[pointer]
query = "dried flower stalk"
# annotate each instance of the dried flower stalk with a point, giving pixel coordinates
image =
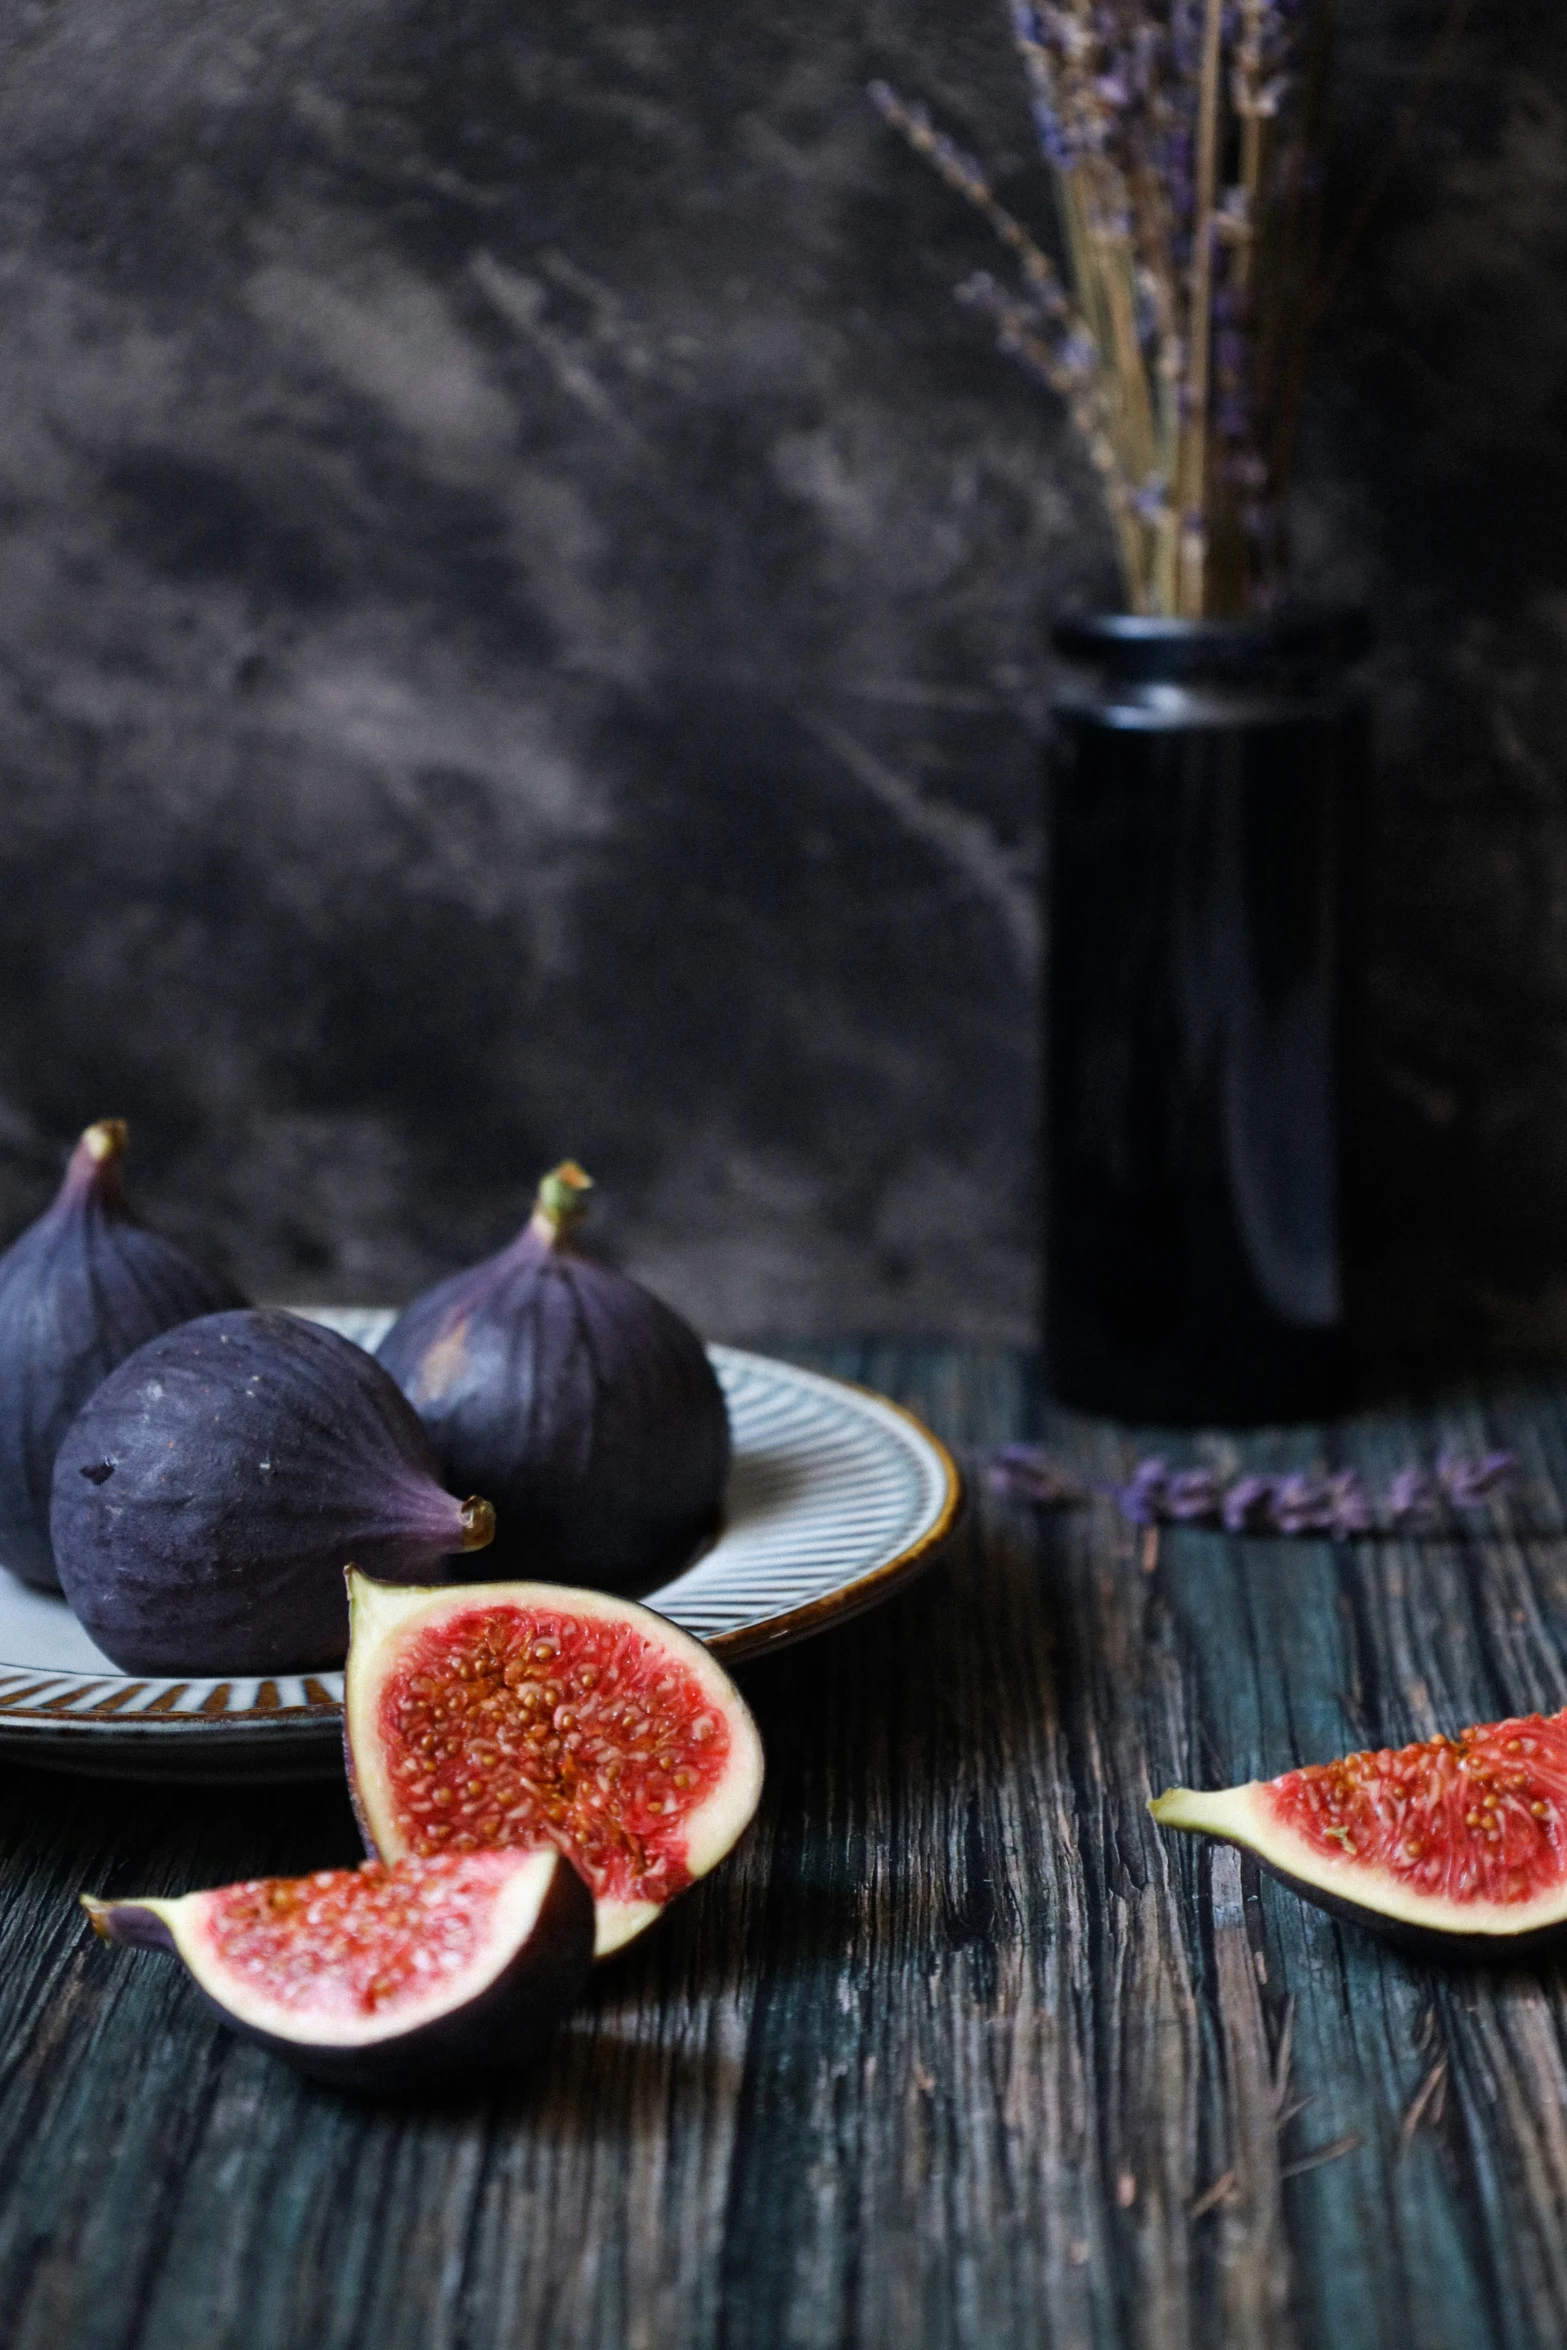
(1295, 1502)
(1183, 139)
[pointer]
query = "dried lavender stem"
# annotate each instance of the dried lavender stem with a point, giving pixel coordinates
(1115, 260)
(1129, 541)
(969, 183)
(1084, 275)
(1194, 472)
(1089, 278)
(1251, 182)
(1151, 208)
(1167, 540)
(1085, 400)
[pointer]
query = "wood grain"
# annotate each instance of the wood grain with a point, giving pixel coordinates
(960, 2050)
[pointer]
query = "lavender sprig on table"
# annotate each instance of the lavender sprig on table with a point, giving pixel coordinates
(1295, 1502)
(1183, 142)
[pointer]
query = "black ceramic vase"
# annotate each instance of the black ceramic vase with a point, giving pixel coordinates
(1204, 783)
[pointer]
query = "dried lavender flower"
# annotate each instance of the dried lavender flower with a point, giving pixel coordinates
(1143, 1499)
(1301, 1505)
(1351, 1511)
(1247, 1507)
(1025, 1472)
(1468, 1483)
(1412, 1497)
(1191, 1498)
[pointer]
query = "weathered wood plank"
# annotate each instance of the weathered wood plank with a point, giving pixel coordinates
(959, 2051)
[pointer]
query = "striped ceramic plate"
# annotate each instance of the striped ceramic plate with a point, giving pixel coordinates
(835, 1495)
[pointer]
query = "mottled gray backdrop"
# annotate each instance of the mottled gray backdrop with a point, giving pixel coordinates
(519, 632)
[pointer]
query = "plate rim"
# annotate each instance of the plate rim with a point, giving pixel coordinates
(877, 1583)
(319, 1721)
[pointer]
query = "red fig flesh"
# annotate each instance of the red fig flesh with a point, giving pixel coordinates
(427, 1974)
(1456, 1841)
(214, 1488)
(81, 1289)
(581, 1404)
(513, 1714)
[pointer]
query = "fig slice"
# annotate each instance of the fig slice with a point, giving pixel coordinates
(426, 1974)
(1453, 1843)
(500, 1715)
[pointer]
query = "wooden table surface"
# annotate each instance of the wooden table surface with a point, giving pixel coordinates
(959, 2048)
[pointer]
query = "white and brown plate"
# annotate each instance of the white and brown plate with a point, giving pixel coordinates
(835, 1496)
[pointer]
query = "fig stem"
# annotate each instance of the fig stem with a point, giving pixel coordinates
(478, 1523)
(106, 1139)
(562, 1201)
(95, 1164)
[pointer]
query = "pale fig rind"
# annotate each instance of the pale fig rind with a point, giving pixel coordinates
(493, 2018)
(215, 1486)
(386, 1620)
(1429, 1925)
(580, 1403)
(83, 1287)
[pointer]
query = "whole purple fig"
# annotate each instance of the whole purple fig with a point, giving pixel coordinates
(81, 1289)
(209, 1496)
(581, 1404)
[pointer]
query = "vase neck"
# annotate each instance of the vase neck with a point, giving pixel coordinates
(1296, 651)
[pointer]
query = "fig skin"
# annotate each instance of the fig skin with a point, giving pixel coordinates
(80, 1290)
(391, 1632)
(581, 1404)
(211, 1492)
(500, 2026)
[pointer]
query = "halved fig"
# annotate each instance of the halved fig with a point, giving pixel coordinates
(426, 1974)
(1458, 1843)
(509, 1715)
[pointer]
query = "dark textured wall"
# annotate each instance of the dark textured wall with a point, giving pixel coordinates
(519, 602)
